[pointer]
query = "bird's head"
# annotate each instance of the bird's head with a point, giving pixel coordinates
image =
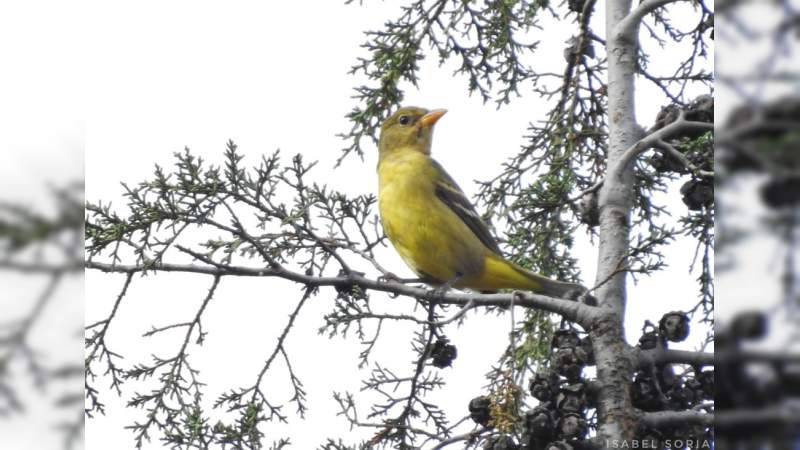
(409, 128)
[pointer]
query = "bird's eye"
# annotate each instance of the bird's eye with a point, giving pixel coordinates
(404, 120)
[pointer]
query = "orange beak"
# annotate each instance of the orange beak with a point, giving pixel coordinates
(429, 119)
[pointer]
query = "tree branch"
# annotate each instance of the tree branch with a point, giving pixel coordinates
(666, 356)
(570, 310)
(40, 268)
(770, 416)
(666, 419)
(628, 26)
(470, 436)
(675, 153)
(757, 356)
(656, 139)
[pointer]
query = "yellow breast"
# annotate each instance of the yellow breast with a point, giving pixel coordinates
(429, 237)
(399, 201)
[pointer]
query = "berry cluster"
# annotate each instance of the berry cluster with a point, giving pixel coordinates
(442, 353)
(661, 388)
(698, 192)
(559, 421)
(752, 380)
(769, 144)
(781, 192)
(564, 414)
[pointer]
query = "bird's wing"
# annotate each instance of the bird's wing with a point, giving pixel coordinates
(451, 195)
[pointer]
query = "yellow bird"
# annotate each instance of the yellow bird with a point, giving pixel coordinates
(433, 225)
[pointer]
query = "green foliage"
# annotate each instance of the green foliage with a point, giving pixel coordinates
(41, 245)
(532, 344)
(269, 221)
(487, 39)
(22, 227)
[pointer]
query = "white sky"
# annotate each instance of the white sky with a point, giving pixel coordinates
(161, 76)
(753, 283)
(41, 146)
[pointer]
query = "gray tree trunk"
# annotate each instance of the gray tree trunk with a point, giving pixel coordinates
(614, 363)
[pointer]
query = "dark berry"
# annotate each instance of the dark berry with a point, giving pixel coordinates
(697, 194)
(540, 422)
(749, 325)
(667, 378)
(666, 116)
(682, 397)
(568, 363)
(783, 109)
(644, 394)
(790, 380)
(543, 385)
(696, 386)
(706, 380)
(738, 161)
(666, 163)
(781, 192)
(572, 398)
(565, 338)
(572, 426)
(701, 109)
(479, 410)
(443, 353)
(674, 326)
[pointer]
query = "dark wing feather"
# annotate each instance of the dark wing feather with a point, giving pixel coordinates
(451, 195)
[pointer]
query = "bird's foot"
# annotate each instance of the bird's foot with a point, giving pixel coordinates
(439, 292)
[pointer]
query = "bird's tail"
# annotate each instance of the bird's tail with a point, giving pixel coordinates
(500, 273)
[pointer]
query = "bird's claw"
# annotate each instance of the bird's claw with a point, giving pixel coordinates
(439, 292)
